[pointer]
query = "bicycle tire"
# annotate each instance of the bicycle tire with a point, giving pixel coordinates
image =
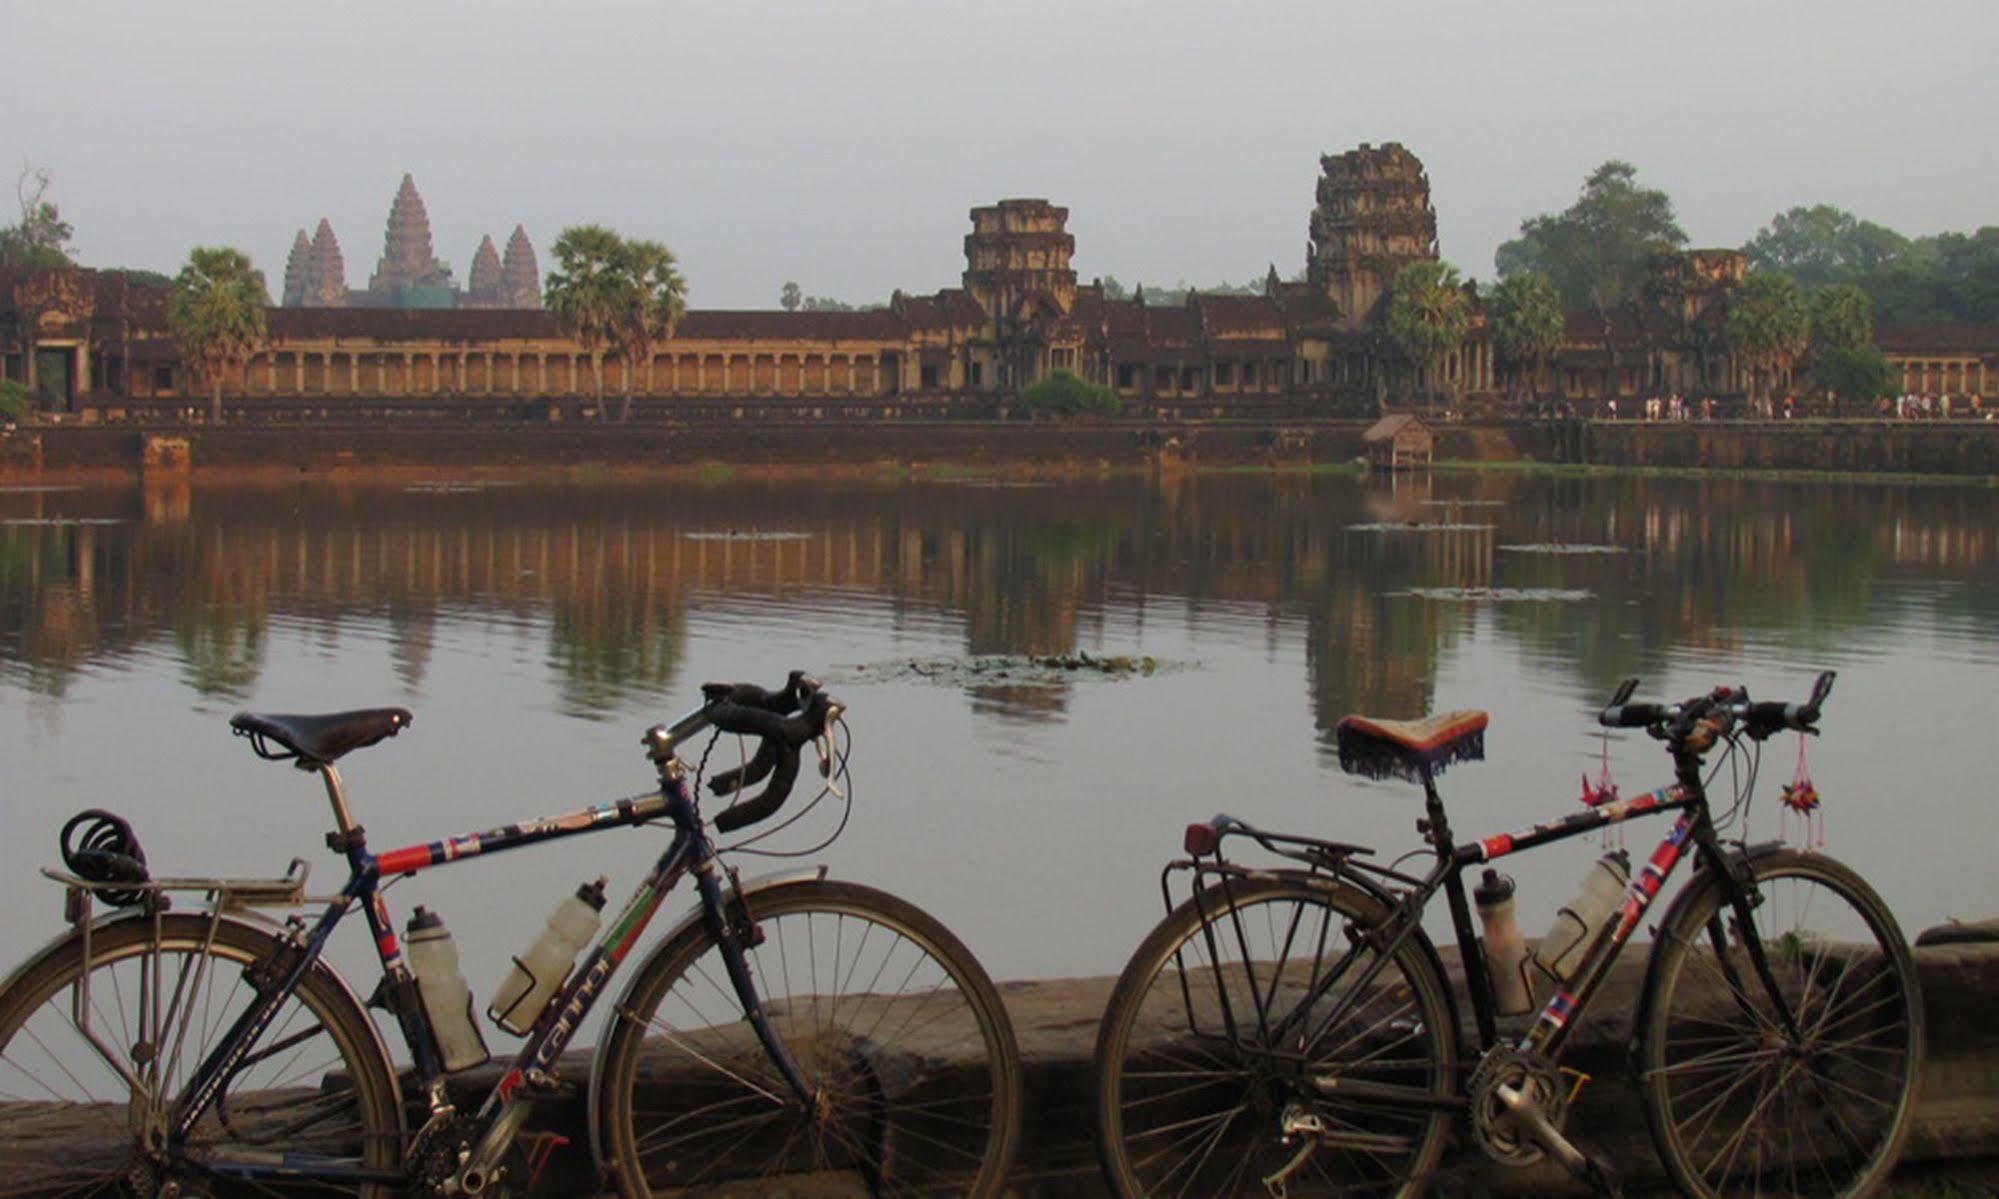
(318, 1081)
(1171, 1084)
(1831, 1106)
(889, 1017)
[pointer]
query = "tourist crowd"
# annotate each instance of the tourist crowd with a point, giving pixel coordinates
(1789, 407)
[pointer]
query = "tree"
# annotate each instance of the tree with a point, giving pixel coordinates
(654, 301)
(15, 400)
(1821, 245)
(1856, 375)
(1768, 327)
(1066, 392)
(1526, 315)
(1597, 251)
(1842, 318)
(216, 312)
(588, 291)
(1428, 314)
(789, 296)
(40, 242)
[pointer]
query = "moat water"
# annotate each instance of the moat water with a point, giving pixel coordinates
(537, 630)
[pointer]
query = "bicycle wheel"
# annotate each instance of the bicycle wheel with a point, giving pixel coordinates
(1742, 1101)
(72, 1122)
(1187, 1107)
(891, 1020)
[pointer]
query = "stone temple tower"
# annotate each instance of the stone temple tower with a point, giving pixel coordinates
(1373, 217)
(520, 276)
(408, 262)
(482, 286)
(326, 283)
(1017, 260)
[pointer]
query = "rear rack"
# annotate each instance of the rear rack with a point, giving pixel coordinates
(223, 894)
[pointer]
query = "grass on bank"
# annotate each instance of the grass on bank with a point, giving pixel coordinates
(1582, 470)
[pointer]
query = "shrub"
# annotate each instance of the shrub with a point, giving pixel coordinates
(14, 400)
(1065, 391)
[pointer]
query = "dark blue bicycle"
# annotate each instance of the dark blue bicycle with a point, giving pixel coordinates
(186, 1044)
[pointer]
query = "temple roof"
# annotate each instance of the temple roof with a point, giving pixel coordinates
(1944, 339)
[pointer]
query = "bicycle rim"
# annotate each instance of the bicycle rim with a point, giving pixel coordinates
(1739, 1102)
(315, 1086)
(891, 1021)
(1185, 1107)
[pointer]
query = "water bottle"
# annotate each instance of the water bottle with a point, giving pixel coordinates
(1505, 951)
(1576, 925)
(447, 1001)
(541, 970)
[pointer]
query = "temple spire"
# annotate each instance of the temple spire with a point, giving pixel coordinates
(482, 287)
(407, 258)
(326, 283)
(520, 276)
(296, 267)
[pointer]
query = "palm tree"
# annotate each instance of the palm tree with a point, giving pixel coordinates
(216, 312)
(1428, 314)
(1768, 327)
(588, 290)
(1526, 314)
(655, 300)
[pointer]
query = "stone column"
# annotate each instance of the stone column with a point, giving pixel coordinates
(270, 372)
(298, 372)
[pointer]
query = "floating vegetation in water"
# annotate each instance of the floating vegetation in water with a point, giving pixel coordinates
(994, 484)
(1438, 526)
(1499, 595)
(1042, 669)
(55, 521)
(454, 486)
(1563, 547)
(39, 488)
(748, 535)
(1466, 503)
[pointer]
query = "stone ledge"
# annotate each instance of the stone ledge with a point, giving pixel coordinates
(1056, 1024)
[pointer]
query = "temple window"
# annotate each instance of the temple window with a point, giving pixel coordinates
(1127, 376)
(978, 373)
(929, 378)
(1162, 379)
(1064, 359)
(1224, 374)
(1249, 374)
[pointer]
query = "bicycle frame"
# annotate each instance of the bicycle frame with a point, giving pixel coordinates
(531, 1071)
(1551, 1027)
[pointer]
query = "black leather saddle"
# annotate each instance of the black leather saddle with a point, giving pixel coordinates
(315, 741)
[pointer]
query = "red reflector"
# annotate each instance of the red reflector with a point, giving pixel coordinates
(1201, 839)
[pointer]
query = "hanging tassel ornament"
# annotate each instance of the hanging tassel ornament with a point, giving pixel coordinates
(1602, 790)
(1801, 798)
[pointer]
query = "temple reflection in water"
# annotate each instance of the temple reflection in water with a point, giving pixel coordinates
(1379, 581)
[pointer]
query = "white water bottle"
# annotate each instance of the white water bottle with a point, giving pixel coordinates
(447, 1000)
(1576, 925)
(541, 970)
(1505, 952)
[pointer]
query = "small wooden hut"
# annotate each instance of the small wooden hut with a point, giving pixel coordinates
(1399, 442)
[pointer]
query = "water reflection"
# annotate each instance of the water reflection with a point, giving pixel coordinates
(1379, 575)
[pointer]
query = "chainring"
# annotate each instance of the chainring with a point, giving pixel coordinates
(1494, 1124)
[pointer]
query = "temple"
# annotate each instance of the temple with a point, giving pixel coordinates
(409, 274)
(1309, 348)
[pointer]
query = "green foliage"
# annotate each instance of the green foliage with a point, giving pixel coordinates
(1428, 312)
(216, 312)
(40, 240)
(1064, 391)
(1526, 315)
(1598, 250)
(588, 291)
(789, 297)
(15, 400)
(1768, 324)
(1821, 245)
(1842, 318)
(829, 304)
(1856, 375)
(655, 300)
(139, 277)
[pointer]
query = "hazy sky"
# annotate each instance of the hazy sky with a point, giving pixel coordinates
(840, 144)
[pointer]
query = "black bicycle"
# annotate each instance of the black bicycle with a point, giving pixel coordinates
(788, 1026)
(1292, 1030)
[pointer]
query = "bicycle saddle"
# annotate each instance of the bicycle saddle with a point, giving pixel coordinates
(1409, 748)
(316, 741)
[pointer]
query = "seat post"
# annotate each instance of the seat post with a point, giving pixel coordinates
(1436, 827)
(345, 828)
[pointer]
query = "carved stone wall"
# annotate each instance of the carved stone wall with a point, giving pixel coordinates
(1373, 217)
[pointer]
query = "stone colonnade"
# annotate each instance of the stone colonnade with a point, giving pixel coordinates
(290, 370)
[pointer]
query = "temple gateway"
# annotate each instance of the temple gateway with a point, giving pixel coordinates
(411, 342)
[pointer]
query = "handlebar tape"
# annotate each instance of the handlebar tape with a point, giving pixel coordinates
(777, 754)
(1631, 716)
